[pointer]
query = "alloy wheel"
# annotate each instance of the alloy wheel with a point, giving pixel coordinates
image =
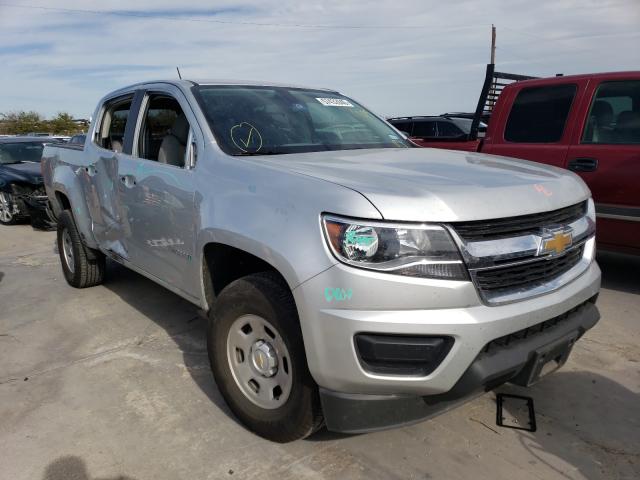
(6, 207)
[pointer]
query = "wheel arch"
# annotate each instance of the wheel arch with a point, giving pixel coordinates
(223, 264)
(72, 200)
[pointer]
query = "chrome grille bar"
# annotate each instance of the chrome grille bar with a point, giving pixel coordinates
(507, 269)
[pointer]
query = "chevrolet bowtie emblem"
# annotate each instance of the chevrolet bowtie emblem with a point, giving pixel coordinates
(555, 241)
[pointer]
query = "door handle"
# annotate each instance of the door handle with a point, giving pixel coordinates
(128, 180)
(583, 165)
(91, 170)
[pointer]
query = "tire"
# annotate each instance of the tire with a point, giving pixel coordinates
(7, 215)
(82, 266)
(296, 412)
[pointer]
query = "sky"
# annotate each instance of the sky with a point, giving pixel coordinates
(400, 57)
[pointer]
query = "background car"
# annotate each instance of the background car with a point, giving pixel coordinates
(77, 139)
(440, 131)
(22, 193)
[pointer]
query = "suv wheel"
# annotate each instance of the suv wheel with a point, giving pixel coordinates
(82, 266)
(258, 360)
(7, 210)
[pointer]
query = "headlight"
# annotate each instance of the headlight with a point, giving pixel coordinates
(416, 250)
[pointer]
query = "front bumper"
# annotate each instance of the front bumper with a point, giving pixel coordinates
(389, 304)
(342, 301)
(514, 362)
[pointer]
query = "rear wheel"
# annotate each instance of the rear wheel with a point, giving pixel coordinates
(258, 360)
(82, 266)
(7, 209)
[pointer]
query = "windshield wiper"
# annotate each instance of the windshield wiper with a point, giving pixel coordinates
(262, 152)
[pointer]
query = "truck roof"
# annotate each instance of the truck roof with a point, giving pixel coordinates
(188, 83)
(581, 76)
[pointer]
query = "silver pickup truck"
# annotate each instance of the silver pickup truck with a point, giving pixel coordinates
(350, 279)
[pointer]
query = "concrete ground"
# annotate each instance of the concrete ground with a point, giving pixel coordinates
(113, 382)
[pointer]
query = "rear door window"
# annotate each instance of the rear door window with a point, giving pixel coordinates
(113, 123)
(539, 114)
(614, 115)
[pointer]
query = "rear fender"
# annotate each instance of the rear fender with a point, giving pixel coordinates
(67, 182)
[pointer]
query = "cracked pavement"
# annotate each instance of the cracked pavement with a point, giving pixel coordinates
(113, 382)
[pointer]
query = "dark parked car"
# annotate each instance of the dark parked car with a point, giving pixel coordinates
(22, 193)
(436, 131)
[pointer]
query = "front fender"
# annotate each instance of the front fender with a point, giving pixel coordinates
(273, 214)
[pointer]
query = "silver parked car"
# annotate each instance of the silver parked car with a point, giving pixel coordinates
(350, 279)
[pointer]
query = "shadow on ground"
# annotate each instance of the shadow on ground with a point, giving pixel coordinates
(620, 272)
(178, 317)
(71, 467)
(592, 408)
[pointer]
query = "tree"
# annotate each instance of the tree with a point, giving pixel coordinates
(21, 122)
(63, 123)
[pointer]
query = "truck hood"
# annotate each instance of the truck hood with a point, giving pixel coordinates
(424, 184)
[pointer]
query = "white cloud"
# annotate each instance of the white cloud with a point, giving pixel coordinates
(54, 60)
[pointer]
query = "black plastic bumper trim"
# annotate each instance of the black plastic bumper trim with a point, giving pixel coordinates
(401, 354)
(359, 413)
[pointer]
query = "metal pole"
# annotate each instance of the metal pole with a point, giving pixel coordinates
(493, 44)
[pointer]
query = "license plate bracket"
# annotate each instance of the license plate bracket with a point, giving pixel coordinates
(549, 358)
(514, 420)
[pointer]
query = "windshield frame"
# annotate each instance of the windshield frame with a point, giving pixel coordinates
(398, 142)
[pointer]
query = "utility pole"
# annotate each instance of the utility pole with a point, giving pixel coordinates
(493, 44)
(493, 91)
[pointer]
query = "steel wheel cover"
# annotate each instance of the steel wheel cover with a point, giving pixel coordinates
(259, 361)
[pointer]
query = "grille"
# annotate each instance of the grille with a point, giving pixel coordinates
(527, 275)
(513, 338)
(515, 226)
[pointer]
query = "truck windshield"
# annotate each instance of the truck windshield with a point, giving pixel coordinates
(20, 152)
(248, 120)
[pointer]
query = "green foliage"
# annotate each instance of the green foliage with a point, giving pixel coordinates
(20, 123)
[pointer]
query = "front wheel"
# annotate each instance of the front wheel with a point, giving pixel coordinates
(258, 360)
(7, 209)
(82, 266)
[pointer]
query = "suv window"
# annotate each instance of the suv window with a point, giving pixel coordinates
(424, 129)
(403, 126)
(539, 114)
(113, 124)
(448, 130)
(614, 116)
(164, 131)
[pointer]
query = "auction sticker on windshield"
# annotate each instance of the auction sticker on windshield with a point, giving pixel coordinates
(334, 102)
